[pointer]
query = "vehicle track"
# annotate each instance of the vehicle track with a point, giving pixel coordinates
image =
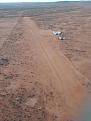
(67, 81)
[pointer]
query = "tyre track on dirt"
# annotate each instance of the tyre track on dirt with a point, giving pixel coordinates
(44, 55)
(48, 76)
(15, 98)
(68, 82)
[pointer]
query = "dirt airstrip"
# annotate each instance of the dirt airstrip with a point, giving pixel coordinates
(37, 82)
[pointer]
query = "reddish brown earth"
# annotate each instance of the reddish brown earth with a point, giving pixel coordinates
(76, 25)
(38, 83)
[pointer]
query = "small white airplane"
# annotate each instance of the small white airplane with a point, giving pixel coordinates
(57, 33)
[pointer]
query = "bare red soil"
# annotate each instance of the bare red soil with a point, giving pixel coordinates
(37, 81)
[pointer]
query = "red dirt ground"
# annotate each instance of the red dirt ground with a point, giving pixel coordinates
(39, 83)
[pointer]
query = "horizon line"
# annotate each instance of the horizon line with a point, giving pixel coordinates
(49, 1)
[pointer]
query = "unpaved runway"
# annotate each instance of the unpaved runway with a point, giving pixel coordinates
(64, 78)
(45, 84)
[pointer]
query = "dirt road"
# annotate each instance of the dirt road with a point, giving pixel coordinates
(40, 83)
